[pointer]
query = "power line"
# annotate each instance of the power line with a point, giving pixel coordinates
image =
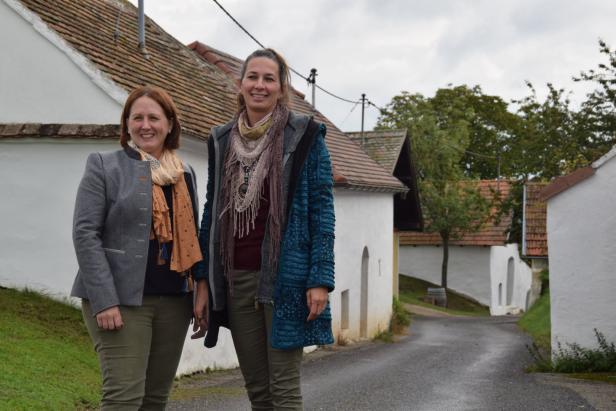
(333, 95)
(347, 116)
(238, 24)
(290, 68)
(375, 106)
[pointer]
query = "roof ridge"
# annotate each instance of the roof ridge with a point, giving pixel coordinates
(25, 130)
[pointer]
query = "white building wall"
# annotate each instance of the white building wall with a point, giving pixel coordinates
(581, 226)
(468, 268)
(42, 80)
(472, 271)
(363, 220)
(522, 279)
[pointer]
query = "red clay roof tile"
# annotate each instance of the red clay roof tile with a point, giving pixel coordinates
(535, 215)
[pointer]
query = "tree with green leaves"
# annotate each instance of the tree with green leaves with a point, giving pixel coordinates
(599, 110)
(490, 129)
(439, 128)
(551, 138)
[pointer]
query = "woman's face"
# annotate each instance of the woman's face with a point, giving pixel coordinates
(260, 87)
(148, 126)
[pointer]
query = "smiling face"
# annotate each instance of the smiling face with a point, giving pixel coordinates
(148, 126)
(260, 87)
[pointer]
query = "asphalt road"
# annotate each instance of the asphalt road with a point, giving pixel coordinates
(444, 364)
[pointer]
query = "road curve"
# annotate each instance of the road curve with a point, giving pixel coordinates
(444, 364)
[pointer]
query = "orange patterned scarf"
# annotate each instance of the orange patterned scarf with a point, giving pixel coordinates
(186, 251)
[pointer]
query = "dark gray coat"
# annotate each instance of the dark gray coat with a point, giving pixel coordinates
(111, 228)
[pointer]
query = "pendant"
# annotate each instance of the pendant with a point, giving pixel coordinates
(243, 189)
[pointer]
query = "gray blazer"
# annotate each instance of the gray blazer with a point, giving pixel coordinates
(111, 228)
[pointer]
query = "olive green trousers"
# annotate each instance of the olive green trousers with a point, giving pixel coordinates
(138, 362)
(272, 377)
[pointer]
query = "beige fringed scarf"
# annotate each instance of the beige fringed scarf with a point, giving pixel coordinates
(254, 155)
(169, 170)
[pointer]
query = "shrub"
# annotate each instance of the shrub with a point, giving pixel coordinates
(574, 358)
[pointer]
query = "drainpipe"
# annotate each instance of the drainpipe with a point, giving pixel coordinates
(141, 26)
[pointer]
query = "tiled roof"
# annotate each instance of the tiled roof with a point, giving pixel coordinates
(563, 183)
(203, 95)
(535, 242)
(494, 232)
(27, 130)
(353, 168)
(383, 146)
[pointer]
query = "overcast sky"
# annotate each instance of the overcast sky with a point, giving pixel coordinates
(382, 47)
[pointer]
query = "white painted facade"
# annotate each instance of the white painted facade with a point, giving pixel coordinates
(510, 280)
(478, 272)
(581, 226)
(364, 221)
(43, 80)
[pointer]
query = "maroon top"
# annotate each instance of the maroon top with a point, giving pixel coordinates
(247, 253)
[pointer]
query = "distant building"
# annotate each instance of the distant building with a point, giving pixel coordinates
(482, 265)
(392, 150)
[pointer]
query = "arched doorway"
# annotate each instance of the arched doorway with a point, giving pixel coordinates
(363, 317)
(510, 284)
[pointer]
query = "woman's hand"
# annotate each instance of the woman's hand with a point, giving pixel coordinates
(110, 319)
(200, 310)
(317, 301)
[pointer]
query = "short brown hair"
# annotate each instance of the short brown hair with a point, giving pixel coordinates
(172, 142)
(283, 75)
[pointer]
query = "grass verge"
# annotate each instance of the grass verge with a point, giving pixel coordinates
(536, 322)
(46, 356)
(413, 290)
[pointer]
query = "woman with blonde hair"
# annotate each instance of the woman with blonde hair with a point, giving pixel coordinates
(267, 235)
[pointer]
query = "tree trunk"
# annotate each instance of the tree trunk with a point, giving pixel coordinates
(445, 239)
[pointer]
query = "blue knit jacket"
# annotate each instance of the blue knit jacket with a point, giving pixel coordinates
(307, 251)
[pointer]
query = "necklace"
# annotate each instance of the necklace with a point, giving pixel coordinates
(247, 169)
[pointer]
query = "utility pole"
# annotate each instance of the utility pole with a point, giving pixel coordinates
(363, 105)
(312, 79)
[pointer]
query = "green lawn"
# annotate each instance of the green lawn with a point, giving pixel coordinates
(46, 356)
(413, 290)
